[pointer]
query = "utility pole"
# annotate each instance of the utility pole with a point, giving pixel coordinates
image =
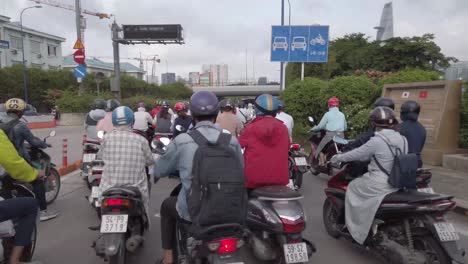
(246, 70)
(115, 88)
(78, 35)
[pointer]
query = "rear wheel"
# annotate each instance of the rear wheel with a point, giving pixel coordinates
(313, 162)
(297, 179)
(121, 256)
(432, 250)
(28, 251)
(330, 219)
(52, 186)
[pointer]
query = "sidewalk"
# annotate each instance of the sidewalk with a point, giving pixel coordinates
(451, 182)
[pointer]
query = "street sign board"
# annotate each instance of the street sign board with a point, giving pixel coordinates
(79, 56)
(152, 32)
(4, 44)
(78, 44)
(299, 43)
(80, 71)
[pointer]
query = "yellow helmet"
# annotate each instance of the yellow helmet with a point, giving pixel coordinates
(15, 104)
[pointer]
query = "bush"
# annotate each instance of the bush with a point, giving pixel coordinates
(357, 116)
(352, 90)
(410, 75)
(463, 139)
(70, 102)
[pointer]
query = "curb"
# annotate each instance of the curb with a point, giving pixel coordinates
(461, 207)
(67, 169)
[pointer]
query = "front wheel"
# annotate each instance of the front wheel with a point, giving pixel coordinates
(330, 219)
(431, 249)
(52, 186)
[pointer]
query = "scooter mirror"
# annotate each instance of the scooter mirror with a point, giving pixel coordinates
(100, 134)
(153, 144)
(180, 128)
(52, 133)
(311, 119)
(165, 141)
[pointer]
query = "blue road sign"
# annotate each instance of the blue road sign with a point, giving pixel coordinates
(4, 44)
(299, 43)
(80, 71)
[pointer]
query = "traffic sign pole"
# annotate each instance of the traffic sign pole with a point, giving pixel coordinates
(282, 64)
(302, 71)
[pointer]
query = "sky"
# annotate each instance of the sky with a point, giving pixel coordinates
(238, 33)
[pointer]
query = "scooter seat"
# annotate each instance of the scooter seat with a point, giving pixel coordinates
(276, 192)
(123, 191)
(413, 196)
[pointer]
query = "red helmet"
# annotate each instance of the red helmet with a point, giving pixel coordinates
(179, 106)
(333, 102)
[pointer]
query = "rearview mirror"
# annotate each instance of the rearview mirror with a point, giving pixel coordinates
(100, 134)
(52, 133)
(165, 141)
(180, 128)
(311, 119)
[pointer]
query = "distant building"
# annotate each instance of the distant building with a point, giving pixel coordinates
(205, 79)
(168, 78)
(153, 79)
(94, 65)
(262, 81)
(194, 78)
(218, 73)
(181, 79)
(457, 71)
(385, 29)
(41, 50)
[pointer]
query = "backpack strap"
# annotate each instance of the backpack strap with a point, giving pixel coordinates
(224, 139)
(198, 138)
(9, 126)
(375, 159)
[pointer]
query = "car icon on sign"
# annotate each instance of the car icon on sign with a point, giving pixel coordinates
(280, 43)
(299, 43)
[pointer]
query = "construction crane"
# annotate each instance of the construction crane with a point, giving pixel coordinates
(72, 8)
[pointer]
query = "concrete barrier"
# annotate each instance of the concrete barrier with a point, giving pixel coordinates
(41, 121)
(71, 119)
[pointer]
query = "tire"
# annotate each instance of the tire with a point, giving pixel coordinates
(298, 179)
(53, 184)
(312, 161)
(431, 249)
(28, 251)
(121, 256)
(330, 219)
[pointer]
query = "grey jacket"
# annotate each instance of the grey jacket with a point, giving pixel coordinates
(179, 157)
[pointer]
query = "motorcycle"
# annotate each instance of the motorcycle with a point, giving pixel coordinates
(90, 149)
(123, 224)
(409, 226)
(276, 221)
(215, 244)
(297, 165)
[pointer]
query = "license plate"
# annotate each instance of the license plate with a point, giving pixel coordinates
(89, 157)
(446, 232)
(295, 253)
(114, 223)
(426, 190)
(95, 192)
(300, 161)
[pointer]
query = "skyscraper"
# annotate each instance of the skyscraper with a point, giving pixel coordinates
(385, 29)
(218, 73)
(168, 78)
(194, 78)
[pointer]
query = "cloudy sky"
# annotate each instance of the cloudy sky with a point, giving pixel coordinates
(220, 31)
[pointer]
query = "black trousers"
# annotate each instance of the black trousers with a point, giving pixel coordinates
(39, 192)
(23, 210)
(169, 217)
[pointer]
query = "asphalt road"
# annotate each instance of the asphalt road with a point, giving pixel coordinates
(67, 238)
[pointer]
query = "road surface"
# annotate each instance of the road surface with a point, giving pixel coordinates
(67, 238)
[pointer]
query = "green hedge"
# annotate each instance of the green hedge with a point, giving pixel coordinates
(463, 139)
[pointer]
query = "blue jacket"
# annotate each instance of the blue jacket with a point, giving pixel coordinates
(22, 133)
(333, 121)
(179, 157)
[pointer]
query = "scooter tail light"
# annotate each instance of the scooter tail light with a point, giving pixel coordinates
(295, 146)
(225, 245)
(293, 226)
(115, 202)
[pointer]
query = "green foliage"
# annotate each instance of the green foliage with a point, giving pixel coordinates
(463, 140)
(70, 102)
(352, 90)
(410, 75)
(357, 116)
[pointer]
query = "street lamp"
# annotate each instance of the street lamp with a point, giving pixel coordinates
(147, 69)
(25, 82)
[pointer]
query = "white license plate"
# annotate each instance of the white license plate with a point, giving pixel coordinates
(446, 232)
(95, 192)
(89, 157)
(426, 190)
(114, 223)
(300, 161)
(295, 253)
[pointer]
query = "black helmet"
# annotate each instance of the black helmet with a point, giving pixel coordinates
(99, 104)
(112, 104)
(226, 103)
(384, 101)
(410, 107)
(204, 103)
(383, 116)
(165, 104)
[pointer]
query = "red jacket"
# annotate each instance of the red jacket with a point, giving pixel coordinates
(155, 111)
(266, 142)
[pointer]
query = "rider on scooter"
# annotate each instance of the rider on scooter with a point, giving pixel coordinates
(105, 124)
(92, 118)
(410, 128)
(179, 156)
(365, 194)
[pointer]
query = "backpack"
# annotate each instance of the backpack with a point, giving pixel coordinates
(8, 128)
(218, 194)
(405, 166)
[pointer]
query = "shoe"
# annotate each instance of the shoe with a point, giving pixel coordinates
(47, 215)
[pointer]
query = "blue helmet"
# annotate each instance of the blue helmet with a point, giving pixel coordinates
(123, 115)
(266, 104)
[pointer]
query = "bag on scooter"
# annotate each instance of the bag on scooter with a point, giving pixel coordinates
(218, 194)
(405, 166)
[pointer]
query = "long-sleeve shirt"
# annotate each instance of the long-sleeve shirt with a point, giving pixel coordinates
(142, 119)
(12, 163)
(333, 120)
(230, 122)
(105, 124)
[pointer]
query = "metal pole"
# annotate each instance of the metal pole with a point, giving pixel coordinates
(302, 71)
(281, 64)
(115, 44)
(78, 35)
(25, 80)
(246, 73)
(147, 72)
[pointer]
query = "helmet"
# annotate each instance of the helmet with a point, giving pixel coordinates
(99, 104)
(226, 103)
(112, 104)
(383, 116)
(410, 107)
(281, 105)
(333, 102)
(179, 106)
(15, 104)
(267, 104)
(165, 104)
(384, 101)
(141, 104)
(122, 115)
(204, 103)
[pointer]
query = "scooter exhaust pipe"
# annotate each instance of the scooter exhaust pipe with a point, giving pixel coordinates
(134, 242)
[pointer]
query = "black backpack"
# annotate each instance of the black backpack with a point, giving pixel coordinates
(218, 194)
(405, 166)
(8, 128)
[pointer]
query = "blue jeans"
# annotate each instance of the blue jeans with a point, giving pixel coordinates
(23, 211)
